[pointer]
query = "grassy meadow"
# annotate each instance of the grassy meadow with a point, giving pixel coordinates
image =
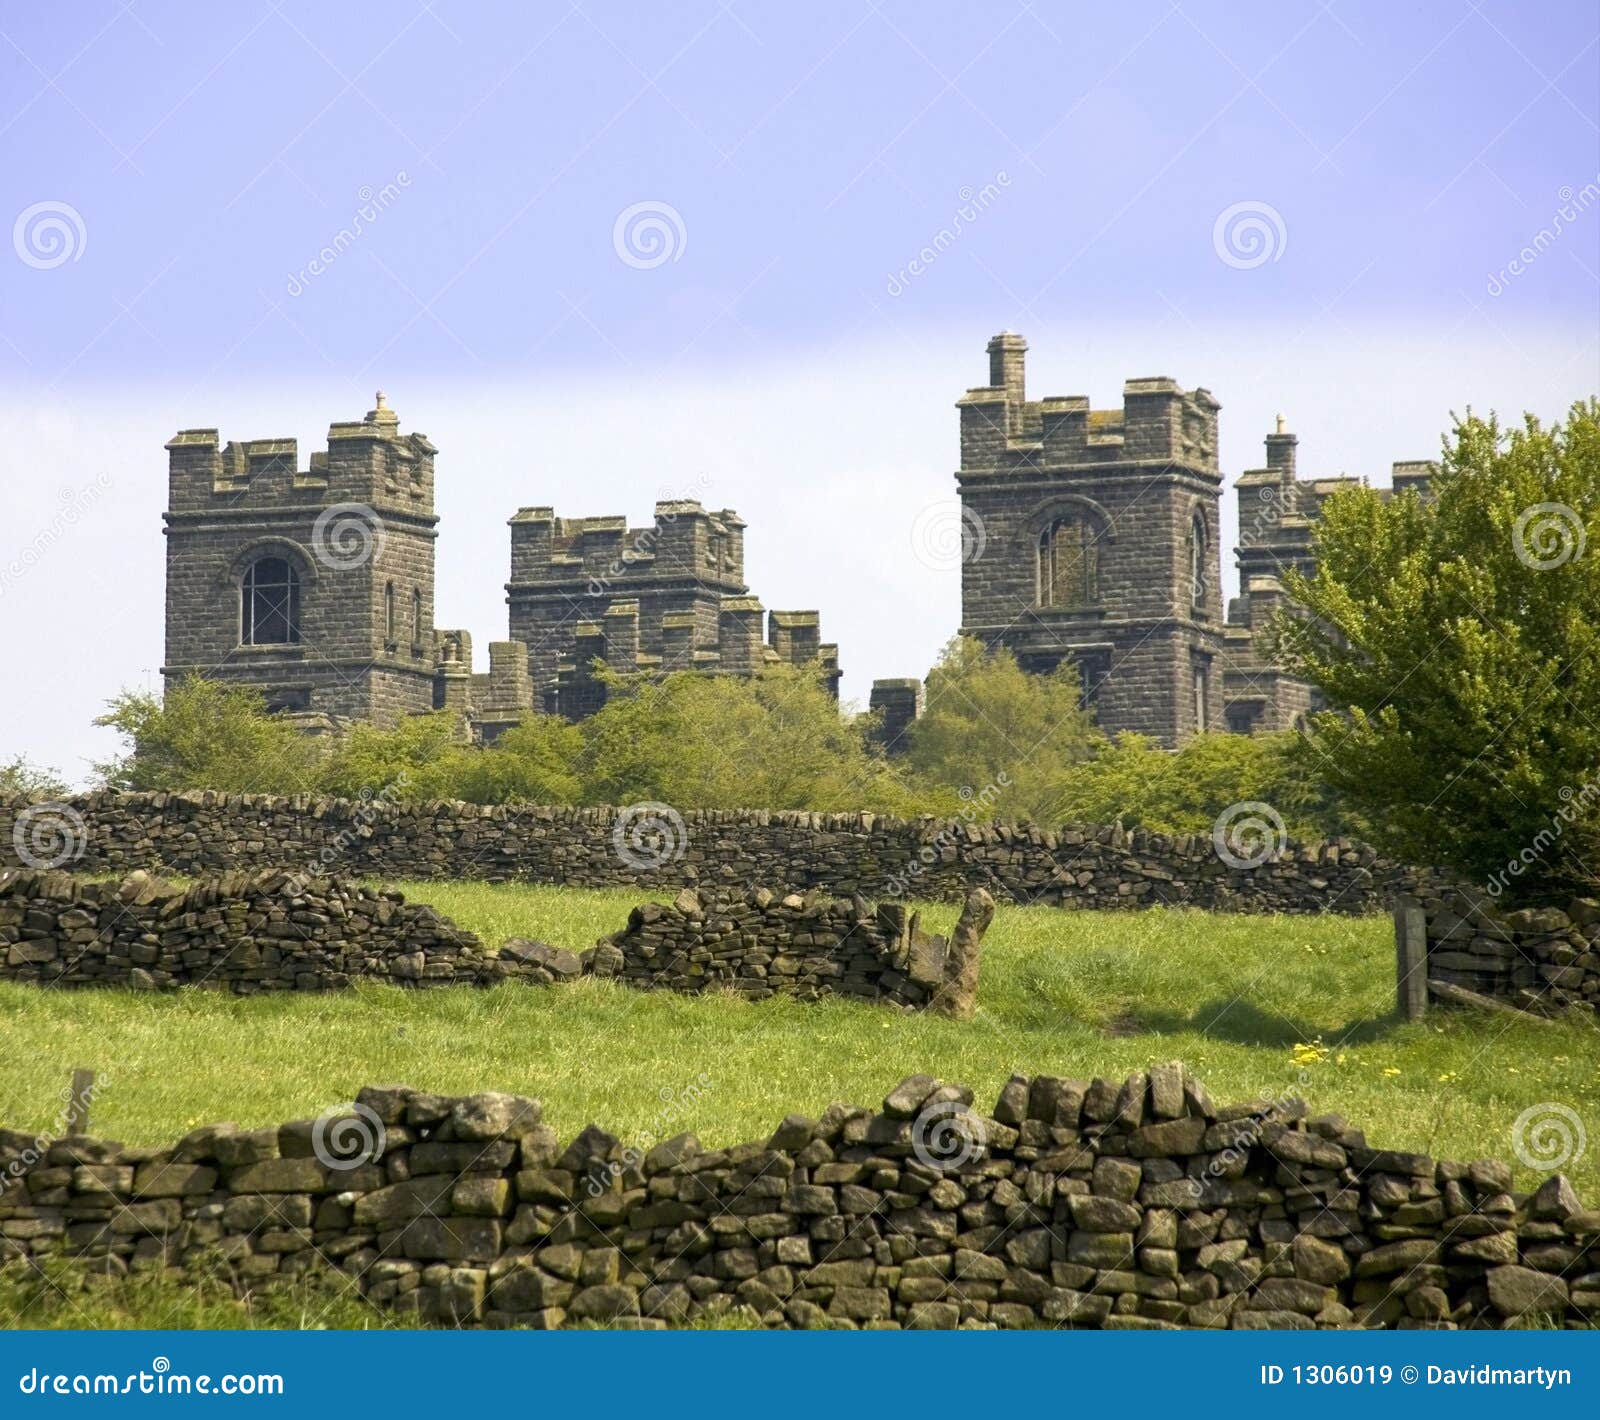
(1252, 1004)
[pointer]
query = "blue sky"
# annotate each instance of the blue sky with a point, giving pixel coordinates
(185, 164)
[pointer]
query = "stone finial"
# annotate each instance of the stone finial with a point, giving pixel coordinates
(1282, 426)
(380, 413)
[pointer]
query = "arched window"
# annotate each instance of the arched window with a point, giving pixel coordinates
(1197, 561)
(388, 613)
(1069, 562)
(269, 603)
(416, 617)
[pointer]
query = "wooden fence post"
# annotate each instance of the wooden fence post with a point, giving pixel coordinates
(1411, 957)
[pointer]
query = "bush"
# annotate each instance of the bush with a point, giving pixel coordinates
(997, 736)
(206, 734)
(1135, 780)
(1456, 639)
(774, 741)
(20, 776)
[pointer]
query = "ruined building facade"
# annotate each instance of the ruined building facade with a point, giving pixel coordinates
(316, 587)
(1092, 539)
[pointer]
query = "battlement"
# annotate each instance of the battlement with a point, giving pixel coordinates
(366, 461)
(683, 540)
(614, 639)
(1002, 431)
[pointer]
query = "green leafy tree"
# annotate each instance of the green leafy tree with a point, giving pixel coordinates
(535, 762)
(995, 735)
(414, 759)
(22, 776)
(775, 740)
(1185, 791)
(1456, 639)
(206, 734)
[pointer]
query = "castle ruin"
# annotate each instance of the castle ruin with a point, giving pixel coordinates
(1096, 546)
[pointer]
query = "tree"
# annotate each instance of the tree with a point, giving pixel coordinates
(206, 734)
(534, 762)
(22, 776)
(1455, 637)
(412, 759)
(1187, 790)
(774, 740)
(996, 734)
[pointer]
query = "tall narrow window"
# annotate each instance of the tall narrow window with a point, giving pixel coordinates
(388, 613)
(1069, 563)
(1201, 686)
(1197, 561)
(416, 617)
(269, 603)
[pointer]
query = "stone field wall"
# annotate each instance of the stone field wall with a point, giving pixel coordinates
(654, 846)
(1540, 959)
(1094, 1204)
(271, 931)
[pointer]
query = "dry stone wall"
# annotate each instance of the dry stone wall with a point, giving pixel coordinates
(239, 931)
(1131, 1204)
(272, 931)
(655, 846)
(759, 944)
(1540, 959)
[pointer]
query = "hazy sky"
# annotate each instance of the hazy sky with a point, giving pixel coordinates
(605, 253)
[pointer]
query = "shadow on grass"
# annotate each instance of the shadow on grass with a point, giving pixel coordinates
(1242, 1023)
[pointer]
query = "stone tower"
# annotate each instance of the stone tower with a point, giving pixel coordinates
(1091, 538)
(314, 585)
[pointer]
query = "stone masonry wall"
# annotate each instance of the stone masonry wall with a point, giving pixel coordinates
(1539, 959)
(1133, 1204)
(270, 931)
(244, 932)
(761, 945)
(655, 846)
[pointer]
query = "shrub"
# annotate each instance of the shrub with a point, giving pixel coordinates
(210, 735)
(775, 741)
(1186, 791)
(995, 734)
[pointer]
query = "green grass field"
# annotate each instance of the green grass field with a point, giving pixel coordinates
(1251, 1003)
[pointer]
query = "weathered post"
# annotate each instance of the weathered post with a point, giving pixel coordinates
(1411, 957)
(80, 1093)
(958, 997)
